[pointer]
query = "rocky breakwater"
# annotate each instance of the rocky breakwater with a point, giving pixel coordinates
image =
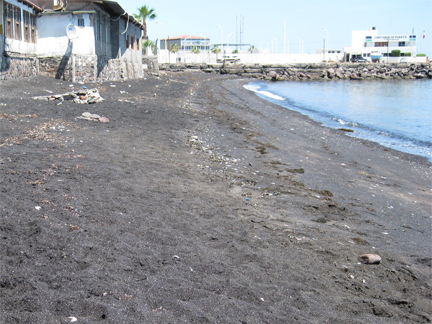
(294, 72)
(349, 71)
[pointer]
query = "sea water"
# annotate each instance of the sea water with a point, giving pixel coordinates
(394, 113)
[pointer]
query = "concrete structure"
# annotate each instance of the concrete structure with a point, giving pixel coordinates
(365, 42)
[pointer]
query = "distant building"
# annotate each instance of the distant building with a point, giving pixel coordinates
(334, 55)
(369, 45)
(186, 43)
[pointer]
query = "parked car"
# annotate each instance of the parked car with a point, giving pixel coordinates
(358, 59)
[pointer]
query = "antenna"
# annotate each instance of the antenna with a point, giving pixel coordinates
(71, 32)
(239, 34)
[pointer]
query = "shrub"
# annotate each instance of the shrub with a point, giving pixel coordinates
(395, 53)
(406, 54)
(421, 54)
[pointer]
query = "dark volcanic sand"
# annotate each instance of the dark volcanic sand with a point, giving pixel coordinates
(201, 203)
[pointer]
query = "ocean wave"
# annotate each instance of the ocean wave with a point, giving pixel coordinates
(264, 93)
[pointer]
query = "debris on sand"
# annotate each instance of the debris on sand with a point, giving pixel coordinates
(84, 96)
(370, 259)
(93, 117)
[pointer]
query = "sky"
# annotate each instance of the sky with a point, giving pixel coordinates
(263, 21)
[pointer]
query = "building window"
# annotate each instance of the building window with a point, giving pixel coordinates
(81, 22)
(27, 36)
(17, 20)
(381, 44)
(12, 16)
(402, 44)
(97, 26)
(127, 41)
(33, 28)
(103, 29)
(8, 19)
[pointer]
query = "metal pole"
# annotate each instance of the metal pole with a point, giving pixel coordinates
(327, 42)
(324, 46)
(228, 39)
(284, 36)
(277, 44)
(222, 48)
(299, 43)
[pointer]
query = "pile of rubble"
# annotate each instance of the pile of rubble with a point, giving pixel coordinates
(84, 96)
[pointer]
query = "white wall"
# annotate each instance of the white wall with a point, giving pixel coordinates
(53, 40)
(249, 58)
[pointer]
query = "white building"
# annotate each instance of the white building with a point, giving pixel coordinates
(369, 45)
(18, 27)
(81, 40)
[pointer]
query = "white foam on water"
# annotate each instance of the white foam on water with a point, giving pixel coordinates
(264, 93)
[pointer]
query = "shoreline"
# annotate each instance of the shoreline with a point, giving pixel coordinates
(337, 147)
(351, 130)
(201, 202)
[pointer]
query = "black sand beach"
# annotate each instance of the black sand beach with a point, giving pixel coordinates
(199, 202)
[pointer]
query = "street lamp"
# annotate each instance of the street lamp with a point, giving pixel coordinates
(299, 43)
(184, 49)
(325, 42)
(184, 43)
(228, 38)
(222, 49)
(327, 39)
(166, 57)
(277, 44)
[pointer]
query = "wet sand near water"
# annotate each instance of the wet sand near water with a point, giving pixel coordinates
(200, 202)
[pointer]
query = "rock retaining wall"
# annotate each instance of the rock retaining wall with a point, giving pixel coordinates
(90, 68)
(18, 67)
(352, 71)
(75, 68)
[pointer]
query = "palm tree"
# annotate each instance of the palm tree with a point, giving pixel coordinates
(174, 48)
(144, 14)
(216, 49)
(251, 49)
(196, 50)
(146, 44)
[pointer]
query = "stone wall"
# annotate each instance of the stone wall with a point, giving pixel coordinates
(14, 67)
(322, 71)
(115, 70)
(151, 62)
(90, 68)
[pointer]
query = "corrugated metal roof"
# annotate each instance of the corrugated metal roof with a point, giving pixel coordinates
(31, 4)
(115, 6)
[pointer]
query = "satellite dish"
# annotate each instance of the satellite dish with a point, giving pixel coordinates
(71, 32)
